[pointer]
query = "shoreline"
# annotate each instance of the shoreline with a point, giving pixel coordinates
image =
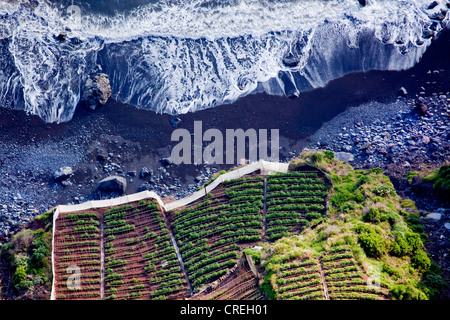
(129, 139)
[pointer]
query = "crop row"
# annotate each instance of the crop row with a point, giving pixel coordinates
(305, 193)
(296, 181)
(295, 200)
(284, 187)
(293, 175)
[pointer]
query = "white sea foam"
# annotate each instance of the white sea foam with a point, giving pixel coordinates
(181, 56)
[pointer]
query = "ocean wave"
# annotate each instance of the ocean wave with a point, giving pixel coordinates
(182, 56)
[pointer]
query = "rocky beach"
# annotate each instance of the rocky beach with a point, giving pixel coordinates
(395, 120)
(91, 94)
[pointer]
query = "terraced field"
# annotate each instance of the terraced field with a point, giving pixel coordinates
(210, 233)
(294, 199)
(140, 260)
(344, 279)
(242, 284)
(127, 252)
(77, 252)
(300, 280)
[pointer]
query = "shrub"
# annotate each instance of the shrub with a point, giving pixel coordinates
(329, 154)
(433, 282)
(442, 181)
(411, 175)
(317, 157)
(372, 215)
(373, 244)
(400, 247)
(312, 215)
(407, 292)
(20, 275)
(420, 260)
(376, 170)
(384, 191)
(414, 241)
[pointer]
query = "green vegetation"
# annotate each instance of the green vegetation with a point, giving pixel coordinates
(440, 179)
(308, 242)
(230, 219)
(293, 199)
(28, 254)
(380, 228)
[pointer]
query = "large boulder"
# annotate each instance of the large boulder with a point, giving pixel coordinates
(290, 60)
(402, 92)
(166, 161)
(145, 172)
(421, 108)
(175, 122)
(434, 216)
(113, 184)
(97, 90)
(63, 173)
(344, 156)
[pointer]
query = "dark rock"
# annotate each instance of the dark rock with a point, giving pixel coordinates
(145, 172)
(421, 108)
(66, 183)
(438, 15)
(290, 60)
(102, 157)
(175, 122)
(63, 173)
(402, 92)
(362, 2)
(145, 186)
(416, 180)
(62, 37)
(426, 33)
(292, 94)
(132, 173)
(113, 184)
(97, 90)
(166, 162)
(432, 5)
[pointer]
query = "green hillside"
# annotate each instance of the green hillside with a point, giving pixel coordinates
(320, 231)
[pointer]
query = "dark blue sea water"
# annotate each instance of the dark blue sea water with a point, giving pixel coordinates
(181, 56)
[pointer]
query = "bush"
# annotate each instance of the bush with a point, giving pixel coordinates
(442, 181)
(384, 191)
(329, 154)
(372, 215)
(312, 215)
(414, 241)
(420, 260)
(433, 282)
(407, 292)
(20, 275)
(400, 247)
(373, 244)
(376, 170)
(411, 175)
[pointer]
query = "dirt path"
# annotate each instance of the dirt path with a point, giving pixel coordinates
(265, 210)
(177, 250)
(322, 278)
(102, 260)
